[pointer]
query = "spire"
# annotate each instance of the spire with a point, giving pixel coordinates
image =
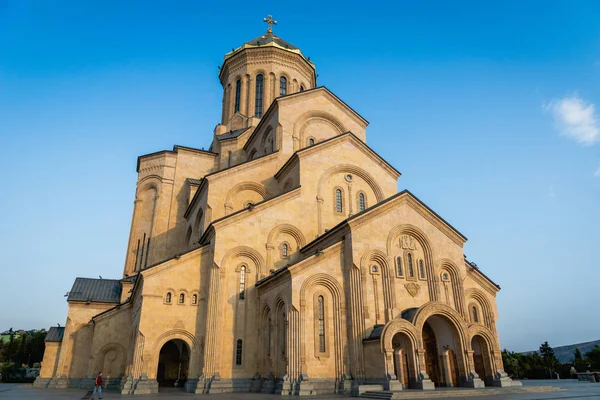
(271, 22)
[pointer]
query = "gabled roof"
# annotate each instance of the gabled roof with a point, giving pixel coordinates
(232, 134)
(327, 141)
(55, 334)
(96, 290)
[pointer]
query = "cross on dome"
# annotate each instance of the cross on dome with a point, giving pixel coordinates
(271, 22)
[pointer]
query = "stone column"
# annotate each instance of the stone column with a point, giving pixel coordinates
(251, 96)
(392, 380)
(423, 381)
(244, 96)
(319, 216)
(473, 379)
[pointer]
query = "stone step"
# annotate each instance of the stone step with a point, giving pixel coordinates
(457, 392)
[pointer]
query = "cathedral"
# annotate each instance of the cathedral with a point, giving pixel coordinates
(281, 260)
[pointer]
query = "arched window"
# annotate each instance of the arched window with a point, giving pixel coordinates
(284, 250)
(168, 298)
(301, 88)
(311, 142)
(374, 269)
(475, 316)
(181, 298)
(238, 352)
(338, 200)
(411, 269)
(421, 270)
(258, 98)
(229, 159)
(282, 86)
(445, 276)
(321, 316)
(272, 146)
(194, 299)
(399, 270)
(238, 92)
(361, 202)
(242, 282)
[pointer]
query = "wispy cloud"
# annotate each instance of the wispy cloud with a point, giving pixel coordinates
(576, 119)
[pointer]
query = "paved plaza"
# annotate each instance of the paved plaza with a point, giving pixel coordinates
(568, 390)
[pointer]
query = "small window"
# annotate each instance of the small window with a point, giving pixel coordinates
(411, 269)
(238, 90)
(445, 276)
(258, 98)
(338, 201)
(168, 298)
(301, 88)
(311, 142)
(321, 316)
(194, 299)
(284, 250)
(238, 352)
(399, 270)
(361, 201)
(475, 316)
(374, 269)
(181, 298)
(282, 86)
(421, 270)
(242, 282)
(229, 159)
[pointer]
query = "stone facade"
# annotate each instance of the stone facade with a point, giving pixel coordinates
(281, 260)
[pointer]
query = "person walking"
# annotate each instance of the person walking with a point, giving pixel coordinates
(97, 386)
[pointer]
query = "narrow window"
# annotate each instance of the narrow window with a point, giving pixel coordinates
(399, 266)
(168, 298)
(282, 86)
(181, 298)
(374, 269)
(301, 88)
(258, 99)
(411, 270)
(284, 250)
(242, 282)
(321, 312)
(238, 352)
(338, 200)
(229, 159)
(272, 146)
(475, 316)
(311, 142)
(283, 336)
(195, 299)
(238, 91)
(421, 270)
(361, 202)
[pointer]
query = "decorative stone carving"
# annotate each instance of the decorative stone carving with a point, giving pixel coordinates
(412, 289)
(408, 243)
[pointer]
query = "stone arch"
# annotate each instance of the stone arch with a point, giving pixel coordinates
(269, 132)
(456, 280)
(251, 186)
(400, 360)
(280, 307)
(491, 355)
(339, 334)
(419, 235)
(389, 298)
(290, 230)
(353, 169)
(100, 359)
(487, 313)
(244, 251)
(305, 119)
(398, 326)
(265, 340)
(456, 323)
(183, 335)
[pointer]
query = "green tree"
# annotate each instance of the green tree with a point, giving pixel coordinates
(593, 358)
(549, 360)
(578, 362)
(511, 363)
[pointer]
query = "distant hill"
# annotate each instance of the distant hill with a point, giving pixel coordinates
(567, 353)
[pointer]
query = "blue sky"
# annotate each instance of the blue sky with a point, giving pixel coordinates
(488, 110)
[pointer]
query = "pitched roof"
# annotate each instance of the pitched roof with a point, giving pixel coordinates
(232, 134)
(55, 334)
(96, 290)
(194, 181)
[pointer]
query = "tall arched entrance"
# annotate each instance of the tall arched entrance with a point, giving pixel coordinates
(404, 368)
(441, 343)
(173, 364)
(481, 359)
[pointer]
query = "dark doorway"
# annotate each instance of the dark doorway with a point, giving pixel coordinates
(431, 355)
(173, 364)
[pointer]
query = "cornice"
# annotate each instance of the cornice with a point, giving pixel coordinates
(486, 283)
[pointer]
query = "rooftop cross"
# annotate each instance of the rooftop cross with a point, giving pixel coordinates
(271, 22)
